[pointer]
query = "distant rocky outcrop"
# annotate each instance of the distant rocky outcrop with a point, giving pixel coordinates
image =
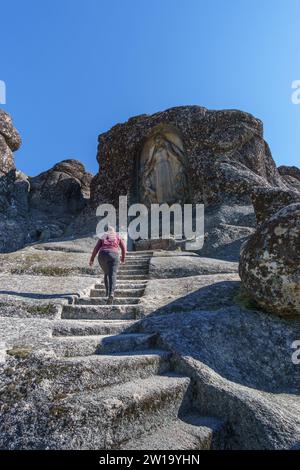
(291, 176)
(270, 263)
(62, 189)
(41, 207)
(10, 141)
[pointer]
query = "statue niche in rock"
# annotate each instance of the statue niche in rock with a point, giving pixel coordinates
(163, 168)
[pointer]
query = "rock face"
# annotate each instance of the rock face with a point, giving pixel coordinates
(291, 176)
(41, 207)
(62, 189)
(270, 263)
(104, 379)
(268, 201)
(10, 141)
(224, 154)
(214, 157)
(57, 196)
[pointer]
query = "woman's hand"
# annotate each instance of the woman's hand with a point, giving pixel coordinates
(91, 263)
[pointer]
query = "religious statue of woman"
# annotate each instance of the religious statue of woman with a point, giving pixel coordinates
(164, 178)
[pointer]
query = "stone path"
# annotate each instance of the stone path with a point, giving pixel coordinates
(128, 395)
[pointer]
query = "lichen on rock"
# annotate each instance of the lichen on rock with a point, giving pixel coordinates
(270, 263)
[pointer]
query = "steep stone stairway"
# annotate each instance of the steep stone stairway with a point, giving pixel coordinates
(125, 393)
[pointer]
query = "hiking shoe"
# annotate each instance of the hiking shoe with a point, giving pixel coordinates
(110, 300)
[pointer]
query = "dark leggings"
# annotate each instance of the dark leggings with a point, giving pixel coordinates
(109, 262)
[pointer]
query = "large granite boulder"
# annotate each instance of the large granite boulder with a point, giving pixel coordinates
(267, 201)
(10, 141)
(36, 208)
(13, 188)
(64, 189)
(291, 176)
(218, 157)
(56, 198)
(224, 151)
(270, 263)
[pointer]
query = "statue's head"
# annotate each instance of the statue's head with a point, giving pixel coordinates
(159, 140)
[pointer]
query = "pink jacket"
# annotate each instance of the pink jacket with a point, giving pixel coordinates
(110, 243)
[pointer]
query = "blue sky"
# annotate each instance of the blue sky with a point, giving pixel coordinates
(74, 68)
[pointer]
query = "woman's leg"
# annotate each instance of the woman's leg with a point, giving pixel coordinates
(106, 284)
(113, 264)
(103, 262)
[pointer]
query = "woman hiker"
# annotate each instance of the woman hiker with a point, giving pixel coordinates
(108, 248)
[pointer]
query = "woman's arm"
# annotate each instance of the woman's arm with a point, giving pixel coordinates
(123, 249)
(95, 251)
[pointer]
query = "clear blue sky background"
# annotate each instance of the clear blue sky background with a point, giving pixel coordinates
(74, 68)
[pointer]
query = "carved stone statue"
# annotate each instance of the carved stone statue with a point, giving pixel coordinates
(163, 175)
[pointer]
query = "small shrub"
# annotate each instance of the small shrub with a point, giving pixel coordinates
(41, 309)
(51, 271)
(20, 352)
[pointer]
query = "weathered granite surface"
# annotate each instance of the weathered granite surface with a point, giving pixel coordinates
(270, 263)
(268, 201)
(240, 358)
(10, 141)
(61, 191)
(291, 176)
(41, 207)
(238, 355)
(226, 157)
(35, 282)
(181, 266)
(225, 151)
(241, 362)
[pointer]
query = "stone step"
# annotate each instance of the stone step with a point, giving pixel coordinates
(135, 277)
(118, 413)
(124, 268)
(135, 262)
(190, 432)
(132, 272)
(90, 328)
(125, 284)
(135, 293)
(103, 300)
(101, 344)
(102, 312)
(79, 373)
(140, 253)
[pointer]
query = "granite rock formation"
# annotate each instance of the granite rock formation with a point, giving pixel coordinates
(291, 176)
(270, 263)
(185, 358)
(215, 158)
(62, 189)
(10, 141)
(268, 201)
(225, 154)
(56, 377)
(38, 208)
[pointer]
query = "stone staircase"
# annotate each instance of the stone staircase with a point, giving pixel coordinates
(123, 392)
